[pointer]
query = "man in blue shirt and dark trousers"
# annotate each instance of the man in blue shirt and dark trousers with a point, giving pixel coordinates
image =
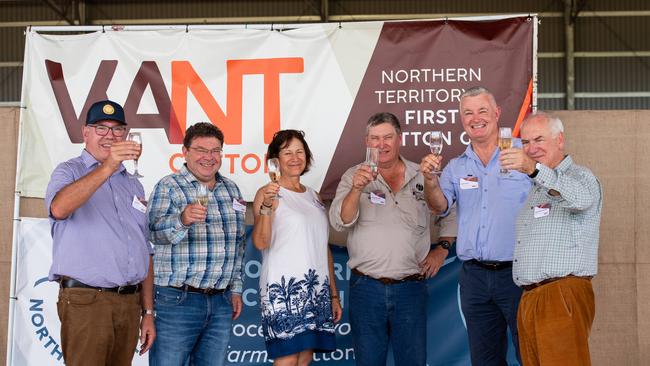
(487, 202)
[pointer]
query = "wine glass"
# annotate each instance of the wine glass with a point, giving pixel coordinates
(435, 144)
(203, 195)
(505, 142)
(273, 166)
(137, 138)
(372, 159)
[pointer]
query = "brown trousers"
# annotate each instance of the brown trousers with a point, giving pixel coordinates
(554, 322)
(98, 328)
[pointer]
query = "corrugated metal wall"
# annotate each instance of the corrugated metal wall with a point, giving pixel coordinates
(618, 77)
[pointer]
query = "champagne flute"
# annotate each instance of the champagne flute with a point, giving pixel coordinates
(505, 142)
(273, 166)
(137, 138)
(203, 196)
(435, 144)
(372, 159)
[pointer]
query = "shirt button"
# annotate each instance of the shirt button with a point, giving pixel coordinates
(484, 207)
(485, 190)
(483, 226)
(515, 260)
(397, 203)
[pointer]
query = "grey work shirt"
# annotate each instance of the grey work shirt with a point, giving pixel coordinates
(388, 240)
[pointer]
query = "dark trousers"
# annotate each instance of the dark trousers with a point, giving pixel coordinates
(489, 300)
(98, 328)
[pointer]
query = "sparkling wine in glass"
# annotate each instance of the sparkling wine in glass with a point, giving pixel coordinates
(372, 159)
(505, 142)
(137, 138)
(435, 144)
(203, 195)
(273, 166)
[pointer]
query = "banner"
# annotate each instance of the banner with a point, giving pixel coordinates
(36, 324)
(324, 79)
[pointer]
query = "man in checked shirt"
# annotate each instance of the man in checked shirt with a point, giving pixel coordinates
(556, 253)
(199, 250)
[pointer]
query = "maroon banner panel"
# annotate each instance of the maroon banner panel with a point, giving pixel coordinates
(418, 71)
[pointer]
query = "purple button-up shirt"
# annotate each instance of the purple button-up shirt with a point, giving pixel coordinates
(104, 242)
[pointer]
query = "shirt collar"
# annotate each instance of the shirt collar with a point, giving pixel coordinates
(565, 164)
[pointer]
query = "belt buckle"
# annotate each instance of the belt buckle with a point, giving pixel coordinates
(120, 289)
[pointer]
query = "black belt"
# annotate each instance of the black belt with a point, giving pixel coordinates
(549, 280)
(390, 281)
(204, 291)
(121, 290)
(492, 266)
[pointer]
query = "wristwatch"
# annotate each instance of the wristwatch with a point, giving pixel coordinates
(266, 211)
(536, 171)
(444, 244)
(149, 312)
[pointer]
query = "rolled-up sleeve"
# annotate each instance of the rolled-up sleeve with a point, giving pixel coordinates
(344, 187)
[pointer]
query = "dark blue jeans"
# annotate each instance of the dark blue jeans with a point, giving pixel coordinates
(381, 313)
(489, 300)
(191, 328)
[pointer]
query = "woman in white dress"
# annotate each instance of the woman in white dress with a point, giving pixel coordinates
(299, 301)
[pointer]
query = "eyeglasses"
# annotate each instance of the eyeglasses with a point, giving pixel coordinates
(203, 151)
(118, 131)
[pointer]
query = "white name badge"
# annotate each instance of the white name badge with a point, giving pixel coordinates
(239, 206)
(468, 183)
(541, 211)
(138, 205)
(378, 198)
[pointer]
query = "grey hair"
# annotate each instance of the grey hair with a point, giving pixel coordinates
(383, 117)
(555, 125)
(475, 91)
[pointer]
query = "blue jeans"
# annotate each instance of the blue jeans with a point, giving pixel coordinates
(191, 328)
(489, 300)
(381, 313)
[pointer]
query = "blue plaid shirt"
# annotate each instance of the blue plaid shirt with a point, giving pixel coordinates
(200, 255)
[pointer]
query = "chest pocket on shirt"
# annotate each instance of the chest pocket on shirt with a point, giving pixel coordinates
(367, 209)
(514, 188)
(468, 197)
(415, 213)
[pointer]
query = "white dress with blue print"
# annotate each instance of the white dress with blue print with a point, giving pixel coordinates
(294, 283)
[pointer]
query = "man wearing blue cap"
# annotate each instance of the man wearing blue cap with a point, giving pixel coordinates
(100, 255)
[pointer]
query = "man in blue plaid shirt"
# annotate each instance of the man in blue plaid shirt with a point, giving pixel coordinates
(199, 249)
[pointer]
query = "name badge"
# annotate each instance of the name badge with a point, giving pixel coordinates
(469, 183)
(541, 210)
(239, 205)
(139, 204)
(378, 197)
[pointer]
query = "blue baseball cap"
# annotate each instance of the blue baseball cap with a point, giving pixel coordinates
(105, 110)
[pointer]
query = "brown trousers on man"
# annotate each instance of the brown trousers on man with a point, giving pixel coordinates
(554, 321)
(98, 328)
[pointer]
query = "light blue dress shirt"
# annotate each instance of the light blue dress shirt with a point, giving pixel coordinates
(487, 204)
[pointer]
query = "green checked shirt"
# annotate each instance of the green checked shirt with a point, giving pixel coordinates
(200, 255)
(558, 227)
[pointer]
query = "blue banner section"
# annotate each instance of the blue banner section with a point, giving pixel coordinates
(446, 339)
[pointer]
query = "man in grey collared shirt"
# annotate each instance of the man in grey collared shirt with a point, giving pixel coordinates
(388, 218)
(556, 253)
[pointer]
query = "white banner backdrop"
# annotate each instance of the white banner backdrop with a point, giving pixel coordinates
(245, 81)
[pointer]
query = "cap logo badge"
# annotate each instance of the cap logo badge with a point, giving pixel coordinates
(108, 109)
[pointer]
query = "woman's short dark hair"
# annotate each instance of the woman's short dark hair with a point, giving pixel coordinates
(202, 129)
(281, 139)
